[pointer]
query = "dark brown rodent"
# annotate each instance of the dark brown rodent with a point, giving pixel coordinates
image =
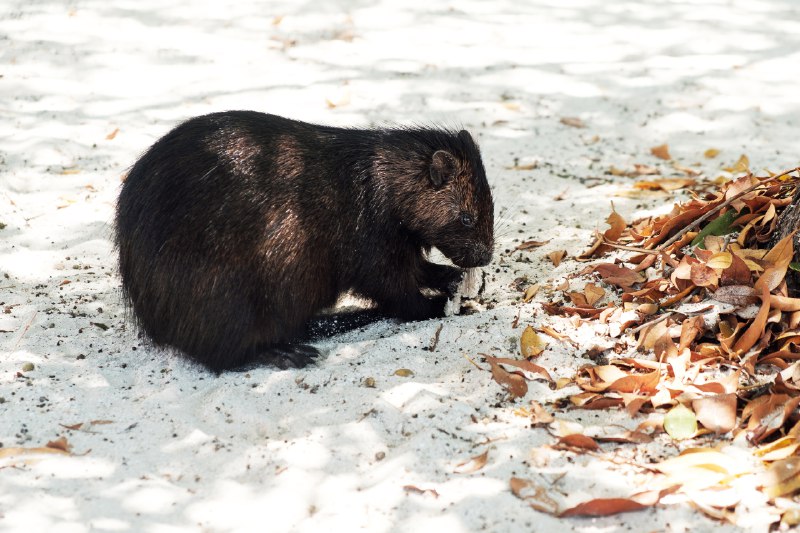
(236, 228)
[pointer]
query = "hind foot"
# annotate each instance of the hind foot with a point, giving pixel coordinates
(285, 356)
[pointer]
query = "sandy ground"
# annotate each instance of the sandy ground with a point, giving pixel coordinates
(88, 85)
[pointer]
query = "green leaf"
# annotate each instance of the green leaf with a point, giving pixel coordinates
(680, 422)
(719, 226)
(794, 266)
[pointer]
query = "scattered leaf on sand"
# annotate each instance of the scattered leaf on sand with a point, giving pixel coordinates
(661, 151)
(535, 495)
(741, 166)
(574, 122)
(665, 184)
(530, 292)
(557, 256)
(404, 372)
(411, 489)
(711, 153)
(604, 507)
(15, 452)
(577, 442)
(472, 465)
(527, 245)
(539, 414)
(513, 383)
(59, 444)
(531, 344)
(526, 166)
(113, 134)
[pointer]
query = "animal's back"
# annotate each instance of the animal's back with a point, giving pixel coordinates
(210, 220)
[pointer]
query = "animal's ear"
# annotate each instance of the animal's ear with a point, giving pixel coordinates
(443, 168)
(465, 137)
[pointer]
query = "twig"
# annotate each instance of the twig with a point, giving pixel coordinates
(653, 322)
(24, 331)
(721, 206)
(435, 339)
(629, 248)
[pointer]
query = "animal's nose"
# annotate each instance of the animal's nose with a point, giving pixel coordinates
(484, 256)
(481, 255)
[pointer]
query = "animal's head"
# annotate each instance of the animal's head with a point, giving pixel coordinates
(454, 211)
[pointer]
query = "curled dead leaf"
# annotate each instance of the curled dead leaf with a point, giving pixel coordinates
(536, 496)
(557, 256)
(473, 464)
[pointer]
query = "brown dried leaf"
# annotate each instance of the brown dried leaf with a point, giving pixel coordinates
(422, 492)
(782, 477)
(637, 383)
(578, 299)
(14, 452)
(536, 496)
(618, 275)
(59, 444)
(738, 295)
(711, 153)
(472, 465)
(703, 276)
(522, 364)
(736, 274)
(593, 293)
(530, 292)
(539, 414)
(784, 303)
(514, 383)
(531, 345)
(665, 184)
(527, 166)
(661, 151)
(604, 507)
(113, 134)
(756, 329)
(617, 224)
(528, 245)
(742, 165)
(691, 329)
(716, 413)
(573, 122)
(779, 256)
(577, 443)
(557, 256)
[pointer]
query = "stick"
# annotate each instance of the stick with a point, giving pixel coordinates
(721, 206)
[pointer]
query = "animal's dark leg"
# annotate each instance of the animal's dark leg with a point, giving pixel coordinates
(284, 356)
(410, 304)
(442, 278)
(336, 323)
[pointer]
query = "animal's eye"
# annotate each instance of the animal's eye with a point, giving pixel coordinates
(467, 220)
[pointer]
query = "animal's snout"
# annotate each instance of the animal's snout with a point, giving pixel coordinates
(477, 256)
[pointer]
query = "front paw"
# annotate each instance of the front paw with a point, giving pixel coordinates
(451, 289)
(447, 280)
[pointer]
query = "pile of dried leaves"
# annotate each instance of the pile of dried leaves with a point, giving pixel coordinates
(707, 334)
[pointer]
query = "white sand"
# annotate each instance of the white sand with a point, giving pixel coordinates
(301, 450)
